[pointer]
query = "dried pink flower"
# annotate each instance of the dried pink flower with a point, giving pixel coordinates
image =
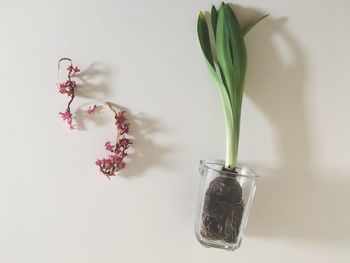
(109, 147)
(91, 109)
(67, 116)
(120, 123)
(72, 70)
(63, 88)
(68, 87)
(115, 162)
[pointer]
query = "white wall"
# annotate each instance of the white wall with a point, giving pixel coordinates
(56, 207)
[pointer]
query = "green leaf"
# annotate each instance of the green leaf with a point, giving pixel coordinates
(223, 52)
(214, 19)
(248, 27)
(239, 53)
(232, 59)
(203, 35)
(228, 34)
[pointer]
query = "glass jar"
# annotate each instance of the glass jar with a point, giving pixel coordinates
(224, 201)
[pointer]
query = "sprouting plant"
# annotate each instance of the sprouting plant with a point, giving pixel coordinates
(68, 87)
(116, 161)
(228, 68)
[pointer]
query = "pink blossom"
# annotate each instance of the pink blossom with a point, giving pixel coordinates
(72, 70)
(123, 144)
(91, 109)
(64, 89)
(120, 123)
(109, 147)
(109, 166)
(115, 162)
(71, 84)
(67, 116)
(68, 87)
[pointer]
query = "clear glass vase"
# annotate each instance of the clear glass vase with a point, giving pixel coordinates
(223, 206)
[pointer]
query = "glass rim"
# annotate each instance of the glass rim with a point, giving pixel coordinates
(248, 172)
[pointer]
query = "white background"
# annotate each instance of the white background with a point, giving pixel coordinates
(144, 55)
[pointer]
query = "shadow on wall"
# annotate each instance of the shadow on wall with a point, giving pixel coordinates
(296, 200)
(92, 85)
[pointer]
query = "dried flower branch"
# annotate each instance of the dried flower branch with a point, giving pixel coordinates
(115, 162)
(68, 87)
